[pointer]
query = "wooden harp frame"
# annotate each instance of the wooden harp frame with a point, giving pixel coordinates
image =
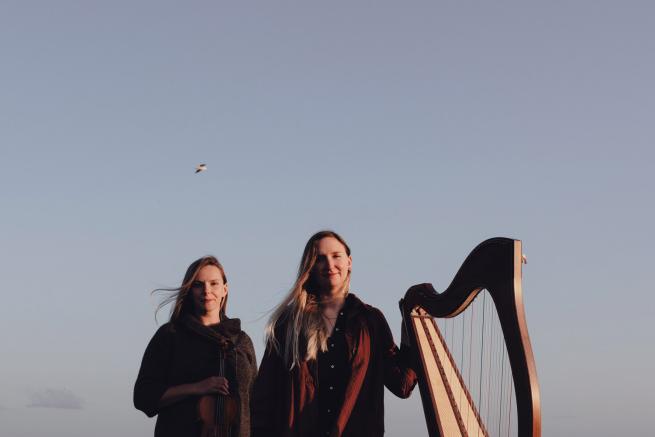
(494, 265)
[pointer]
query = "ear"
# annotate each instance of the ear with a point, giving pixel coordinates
(350, 263)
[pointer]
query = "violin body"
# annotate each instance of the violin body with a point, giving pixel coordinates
(218, 415)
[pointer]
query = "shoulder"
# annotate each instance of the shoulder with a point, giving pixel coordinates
(165, 330)
(244, 340)
(161, 343)
(358, 308)
(166, 333)
(231, 328)
(370, 317)
(280, 327)
(276, 333)
(245, 347)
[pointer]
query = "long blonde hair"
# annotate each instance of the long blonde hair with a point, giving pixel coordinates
(300, 311)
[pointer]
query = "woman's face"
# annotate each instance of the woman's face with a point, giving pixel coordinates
(332, 265)
(208, 290)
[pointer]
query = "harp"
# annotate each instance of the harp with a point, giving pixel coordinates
(458, 401)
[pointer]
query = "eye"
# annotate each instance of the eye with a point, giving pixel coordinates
(196, 284)
(215, 283)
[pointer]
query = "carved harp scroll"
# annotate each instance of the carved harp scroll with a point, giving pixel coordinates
(494, 265)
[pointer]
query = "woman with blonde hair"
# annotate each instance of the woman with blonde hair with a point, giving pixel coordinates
(199, 362)
(328, 355)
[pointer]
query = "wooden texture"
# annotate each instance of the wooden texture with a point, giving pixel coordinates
(494, 265)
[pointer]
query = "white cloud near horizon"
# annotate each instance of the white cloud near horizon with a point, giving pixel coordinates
(56, 398)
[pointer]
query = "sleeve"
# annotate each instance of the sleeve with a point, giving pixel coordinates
(267, 394)
(248, 350)
(399, 377)
(151, 382)
(246, 372)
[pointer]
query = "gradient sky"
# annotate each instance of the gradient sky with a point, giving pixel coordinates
(415, 129)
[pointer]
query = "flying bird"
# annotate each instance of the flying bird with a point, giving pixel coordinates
(201, 167)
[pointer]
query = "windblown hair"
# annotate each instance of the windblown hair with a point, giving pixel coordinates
(182, 296)
(300, 313)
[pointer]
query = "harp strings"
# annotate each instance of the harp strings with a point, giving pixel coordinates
(476, 343)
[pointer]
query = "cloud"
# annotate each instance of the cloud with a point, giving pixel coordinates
(56, 398)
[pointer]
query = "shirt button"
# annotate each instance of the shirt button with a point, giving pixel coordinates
(331, 388)
(332, 345)
(329, 411)
(331, 366)
(341, 313)
(336, 329)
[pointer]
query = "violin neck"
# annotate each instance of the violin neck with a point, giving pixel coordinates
(219, 417)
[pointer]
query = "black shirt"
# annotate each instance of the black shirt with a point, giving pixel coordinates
(333, 375)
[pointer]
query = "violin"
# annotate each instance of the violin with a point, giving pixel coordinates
(218, 414)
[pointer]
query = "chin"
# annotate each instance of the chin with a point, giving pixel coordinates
(337, 282)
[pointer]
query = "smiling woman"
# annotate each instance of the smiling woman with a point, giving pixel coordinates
(197, 371)
(328, 355)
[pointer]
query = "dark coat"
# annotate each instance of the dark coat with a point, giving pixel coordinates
(285, 401)
(188, 352)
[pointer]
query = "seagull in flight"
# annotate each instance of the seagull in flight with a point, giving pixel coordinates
(201, 167)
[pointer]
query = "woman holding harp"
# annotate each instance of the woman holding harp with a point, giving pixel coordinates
(328, 354)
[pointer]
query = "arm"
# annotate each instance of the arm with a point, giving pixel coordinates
(250, 366)
(246, 372)
(399, 377)
(267, 394)
(213, 384)
(151, 382)
(152, 391)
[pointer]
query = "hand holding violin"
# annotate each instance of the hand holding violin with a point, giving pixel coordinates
(211, 385)
(208, 386)
(217, 414)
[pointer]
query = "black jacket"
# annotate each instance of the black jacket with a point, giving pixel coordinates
(285, 401)
(187, 352)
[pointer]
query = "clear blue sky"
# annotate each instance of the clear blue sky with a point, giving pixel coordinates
(415, 129)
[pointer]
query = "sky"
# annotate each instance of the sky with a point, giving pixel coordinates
(415, 129)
